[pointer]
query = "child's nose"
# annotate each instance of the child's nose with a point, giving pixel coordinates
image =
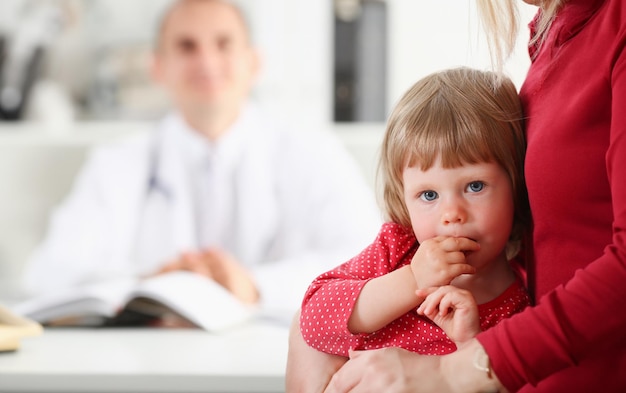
(453, 213)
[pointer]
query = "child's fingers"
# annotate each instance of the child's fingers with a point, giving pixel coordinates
(442, 300)
(430, 310)
(447, 303)
(451, 244)
(431, 303)
(457, 269)
(455, 298)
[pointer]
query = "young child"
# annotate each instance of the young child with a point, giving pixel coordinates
(453, 189)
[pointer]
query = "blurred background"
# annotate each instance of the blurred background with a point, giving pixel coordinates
(74, 73)
(324, 60)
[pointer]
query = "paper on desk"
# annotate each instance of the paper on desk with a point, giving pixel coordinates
(13, 328)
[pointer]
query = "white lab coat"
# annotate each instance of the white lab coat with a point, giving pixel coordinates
(300, 207)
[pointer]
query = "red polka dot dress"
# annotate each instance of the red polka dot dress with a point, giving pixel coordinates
(330, 299)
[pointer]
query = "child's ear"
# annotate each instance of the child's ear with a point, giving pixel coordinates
(512, 248)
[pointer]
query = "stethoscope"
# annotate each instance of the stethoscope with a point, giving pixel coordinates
(154, 182)
(164, 196)
(155, 189)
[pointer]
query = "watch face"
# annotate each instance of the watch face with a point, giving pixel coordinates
(481, 361)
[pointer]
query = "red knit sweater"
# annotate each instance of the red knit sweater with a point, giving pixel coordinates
(574, 98)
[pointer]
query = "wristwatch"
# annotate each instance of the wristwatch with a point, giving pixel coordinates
(481, 361)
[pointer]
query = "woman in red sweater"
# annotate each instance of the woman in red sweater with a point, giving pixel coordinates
(574, 339)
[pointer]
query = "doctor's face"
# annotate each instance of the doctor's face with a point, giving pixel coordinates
(204, 57)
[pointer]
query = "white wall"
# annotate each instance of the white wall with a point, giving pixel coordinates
(429, 35)
(295, 37)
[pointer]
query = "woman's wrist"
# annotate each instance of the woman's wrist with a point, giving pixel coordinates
(469, 370)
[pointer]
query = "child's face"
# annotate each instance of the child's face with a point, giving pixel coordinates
(473, 201)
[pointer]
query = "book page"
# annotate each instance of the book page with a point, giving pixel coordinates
(79, 305)
(198, 299)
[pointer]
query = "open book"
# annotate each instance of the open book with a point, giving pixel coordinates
(187, 296)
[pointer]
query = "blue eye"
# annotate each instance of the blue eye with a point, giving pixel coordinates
(429, 195)
(475, 186)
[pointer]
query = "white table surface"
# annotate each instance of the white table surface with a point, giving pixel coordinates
(251, 358)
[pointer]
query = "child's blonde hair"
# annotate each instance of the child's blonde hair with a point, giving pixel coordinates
(462, 116)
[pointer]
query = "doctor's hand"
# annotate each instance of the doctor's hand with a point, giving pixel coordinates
(221, 267)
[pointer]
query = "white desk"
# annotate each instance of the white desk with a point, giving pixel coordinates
(248, 359)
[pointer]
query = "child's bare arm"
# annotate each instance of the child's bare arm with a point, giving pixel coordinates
(384, 299)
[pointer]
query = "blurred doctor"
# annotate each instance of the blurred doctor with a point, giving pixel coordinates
(218, 188)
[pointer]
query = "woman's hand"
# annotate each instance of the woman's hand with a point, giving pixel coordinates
(395, 370)
(452, 309)
(389, 370)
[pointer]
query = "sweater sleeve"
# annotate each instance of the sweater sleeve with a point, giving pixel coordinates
(330, 299)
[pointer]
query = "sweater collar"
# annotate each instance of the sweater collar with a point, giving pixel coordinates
(568, 22)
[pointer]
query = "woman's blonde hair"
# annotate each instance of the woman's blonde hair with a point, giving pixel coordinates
(461, 116)
(500, 20)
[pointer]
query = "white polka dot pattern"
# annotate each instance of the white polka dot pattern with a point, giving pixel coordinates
(330, 299)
